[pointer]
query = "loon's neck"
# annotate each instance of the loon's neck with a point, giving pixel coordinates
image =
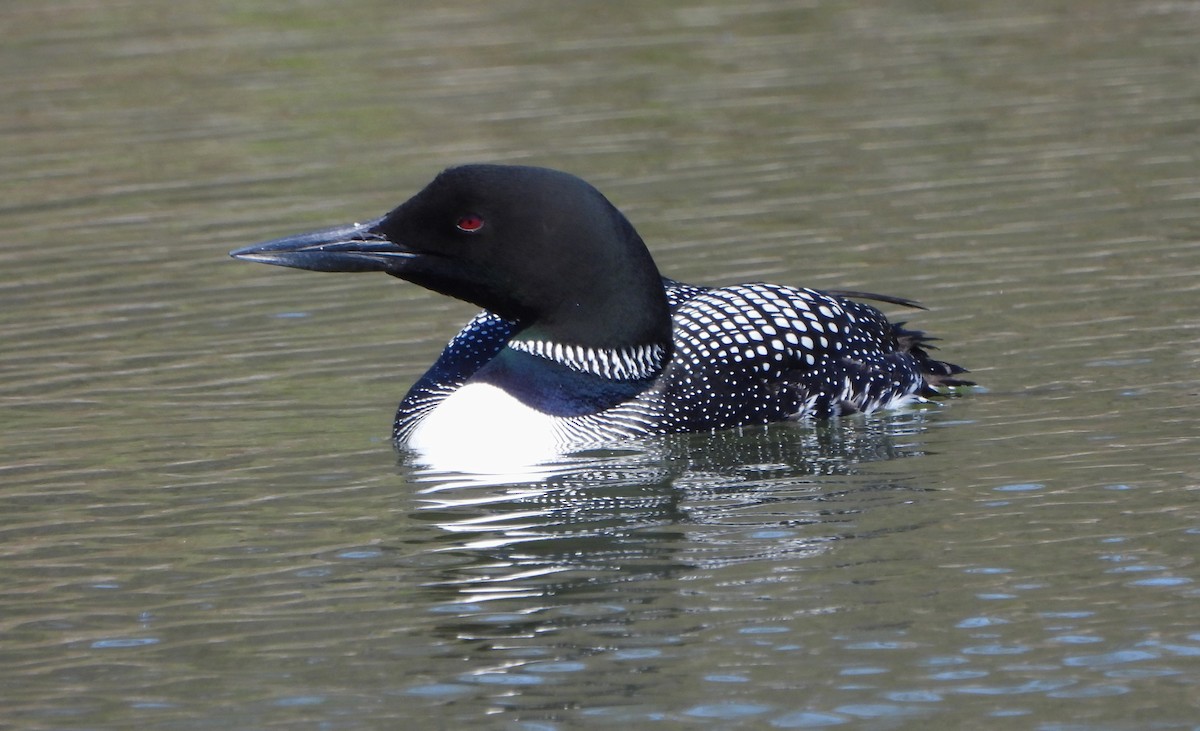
(570, 385)
(603, 310)
(618, 329)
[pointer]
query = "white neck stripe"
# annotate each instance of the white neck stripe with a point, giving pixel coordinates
(620, 364)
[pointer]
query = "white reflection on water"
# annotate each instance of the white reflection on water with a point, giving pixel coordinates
(661, 506)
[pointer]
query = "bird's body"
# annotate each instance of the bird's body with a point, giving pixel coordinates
(581, 342)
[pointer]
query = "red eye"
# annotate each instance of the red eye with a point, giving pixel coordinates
(470, 223)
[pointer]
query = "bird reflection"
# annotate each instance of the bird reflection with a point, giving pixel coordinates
(660, 508)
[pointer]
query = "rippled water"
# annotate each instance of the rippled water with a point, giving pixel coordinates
(205, 525)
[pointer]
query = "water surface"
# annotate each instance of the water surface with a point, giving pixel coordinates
(205, 526)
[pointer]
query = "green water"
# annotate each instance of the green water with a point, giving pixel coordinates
(205, 525)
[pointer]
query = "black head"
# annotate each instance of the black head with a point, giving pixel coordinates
(537, 246)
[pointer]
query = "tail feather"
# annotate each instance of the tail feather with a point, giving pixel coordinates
(937, 373)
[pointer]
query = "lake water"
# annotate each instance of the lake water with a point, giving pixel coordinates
(205, 525)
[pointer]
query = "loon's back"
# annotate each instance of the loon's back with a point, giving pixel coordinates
(743, 354)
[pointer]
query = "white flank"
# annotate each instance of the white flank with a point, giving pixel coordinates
(482, 428)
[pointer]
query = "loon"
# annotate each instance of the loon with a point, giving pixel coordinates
(582, 342)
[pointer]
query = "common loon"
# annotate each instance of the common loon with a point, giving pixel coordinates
(581, 342)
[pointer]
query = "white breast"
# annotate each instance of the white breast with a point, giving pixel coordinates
(480, 426)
